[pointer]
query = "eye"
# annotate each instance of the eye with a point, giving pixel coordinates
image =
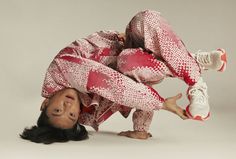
(72, 114)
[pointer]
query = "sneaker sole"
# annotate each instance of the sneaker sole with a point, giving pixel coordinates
(199, 118)
(223, 59)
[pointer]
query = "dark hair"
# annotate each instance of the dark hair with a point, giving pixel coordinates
(133, 41)
(45, 133)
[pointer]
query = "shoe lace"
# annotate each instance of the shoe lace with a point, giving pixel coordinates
(199, 93)
(203, 58)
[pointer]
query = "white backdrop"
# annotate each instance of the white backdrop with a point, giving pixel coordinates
(33, 31)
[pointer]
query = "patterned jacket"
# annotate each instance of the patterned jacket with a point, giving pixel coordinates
(89, 65)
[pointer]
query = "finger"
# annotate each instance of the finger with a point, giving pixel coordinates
(185, 115)
(178, 96)
(182, 115)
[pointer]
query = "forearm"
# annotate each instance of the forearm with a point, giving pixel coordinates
(142, 120)
(141, 124)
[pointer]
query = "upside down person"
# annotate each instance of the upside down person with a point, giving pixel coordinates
(109, 72)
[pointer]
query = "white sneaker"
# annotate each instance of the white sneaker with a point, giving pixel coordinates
(199, 108)
(215, 60)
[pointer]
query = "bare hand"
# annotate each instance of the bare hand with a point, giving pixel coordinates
(136, 134)
(170, 105)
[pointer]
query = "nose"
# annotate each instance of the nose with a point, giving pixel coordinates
(66, 103)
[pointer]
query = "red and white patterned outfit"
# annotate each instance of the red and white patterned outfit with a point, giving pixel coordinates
(98, 67)
(88, 65)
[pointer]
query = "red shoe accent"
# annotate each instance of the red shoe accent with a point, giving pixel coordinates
(199, 118)
(188, 96)
(222, 69)
(224, 59)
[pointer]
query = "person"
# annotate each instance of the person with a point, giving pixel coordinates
(109, 72)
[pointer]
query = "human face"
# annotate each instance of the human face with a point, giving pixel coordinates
(63, 108)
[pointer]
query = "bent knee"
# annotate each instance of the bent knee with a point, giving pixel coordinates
(131, 59)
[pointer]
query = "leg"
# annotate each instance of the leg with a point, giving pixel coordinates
(142, 66)
(159, 38)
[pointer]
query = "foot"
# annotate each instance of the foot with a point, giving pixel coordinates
(215, 60)
(198, 108)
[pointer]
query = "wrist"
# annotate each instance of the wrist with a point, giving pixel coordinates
(164, 105)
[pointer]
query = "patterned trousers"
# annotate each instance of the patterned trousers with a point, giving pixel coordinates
(169, 56)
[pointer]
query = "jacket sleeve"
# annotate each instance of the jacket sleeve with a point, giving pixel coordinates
(90, 76)
(142, 120)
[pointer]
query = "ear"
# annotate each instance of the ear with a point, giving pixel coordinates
(44, 104)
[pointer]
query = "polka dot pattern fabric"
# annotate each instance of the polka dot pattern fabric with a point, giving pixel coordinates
(160, 39)
(110, 78)
(142, 120)
(85, 65)
(142, 66)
